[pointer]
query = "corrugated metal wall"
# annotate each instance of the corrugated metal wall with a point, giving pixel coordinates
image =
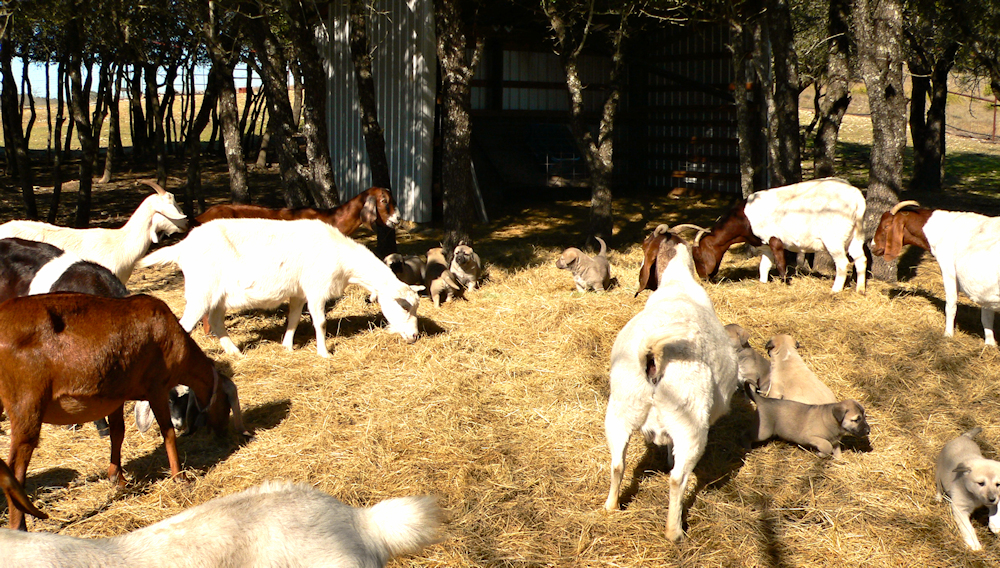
(401, 36)
(687, 134)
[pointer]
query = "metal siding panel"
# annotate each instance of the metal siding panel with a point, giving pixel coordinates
(402, 38)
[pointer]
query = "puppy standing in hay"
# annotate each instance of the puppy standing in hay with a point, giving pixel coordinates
(589, 273)
(441, 284)
(970, 481)
(673, 373)
(466, 266)
(817, 425)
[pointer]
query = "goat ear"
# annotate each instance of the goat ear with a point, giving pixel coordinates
(143, 415)
(369, 212)
(404, 304)
(894, 237)
(647, 273)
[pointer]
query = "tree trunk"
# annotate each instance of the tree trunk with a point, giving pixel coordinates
(746, 123)
(599, 153)
(371, 129)
(305, 25)
(456, 128)
(878, 27)
(80, 112)
(140, 141)
(57, 157)
(783, 120)
(274, 73)
(928, 78)
(114, 128)
(16, 144)
(835, 101)
(193, 189)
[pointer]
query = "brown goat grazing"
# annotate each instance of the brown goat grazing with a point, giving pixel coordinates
(374, 205)
(68, 358)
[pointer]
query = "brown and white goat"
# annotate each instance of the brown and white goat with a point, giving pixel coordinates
(965, 245)
(810, 216)
(373, 205)
(68, 358)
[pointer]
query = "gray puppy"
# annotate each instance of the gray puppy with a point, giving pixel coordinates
(466, 266)
(589, 273)
(754, 367)
(817, 425)
(442, 286)
(970, 481)
(409, 269)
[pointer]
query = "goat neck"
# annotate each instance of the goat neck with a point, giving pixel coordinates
(732, 228)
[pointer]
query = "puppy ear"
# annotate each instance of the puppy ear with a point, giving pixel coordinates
(797, 344)
(840, 411)
(770, 345)
(961, 469)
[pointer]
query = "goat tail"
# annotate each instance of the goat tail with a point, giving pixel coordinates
(404, 525)
(10, 485)
(678, 338)
(161, 256)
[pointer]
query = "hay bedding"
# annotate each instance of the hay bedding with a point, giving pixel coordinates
(499, 411)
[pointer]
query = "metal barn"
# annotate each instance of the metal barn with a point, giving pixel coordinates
(676, 126)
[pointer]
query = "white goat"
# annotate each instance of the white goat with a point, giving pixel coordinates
(673, 372)
(261, 263)
(811, 216)
(116, 249)
(275, 524)
(966, 246)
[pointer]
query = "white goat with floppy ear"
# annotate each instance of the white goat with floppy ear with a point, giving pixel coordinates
(673, 372)
(116, 249)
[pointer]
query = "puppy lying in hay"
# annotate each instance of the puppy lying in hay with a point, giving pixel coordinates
(817, 425)
(970, 481)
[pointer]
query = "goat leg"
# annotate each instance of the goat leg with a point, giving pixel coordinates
(116, 425)
(778, 249)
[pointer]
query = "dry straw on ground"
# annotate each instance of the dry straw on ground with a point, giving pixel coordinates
(498, 410)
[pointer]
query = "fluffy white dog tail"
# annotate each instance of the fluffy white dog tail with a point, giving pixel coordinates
(404, 525)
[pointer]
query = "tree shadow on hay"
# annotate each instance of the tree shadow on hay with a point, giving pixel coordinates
(45, 481)
(203, 450)
(967, 318)
(722, 459)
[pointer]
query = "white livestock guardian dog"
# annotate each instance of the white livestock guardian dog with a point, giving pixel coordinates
(673, 373)
(262, 263)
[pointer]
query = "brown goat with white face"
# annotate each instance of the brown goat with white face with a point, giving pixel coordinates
(72, 358)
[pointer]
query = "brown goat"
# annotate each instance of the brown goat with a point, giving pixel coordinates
(374, 205)
(68, 358)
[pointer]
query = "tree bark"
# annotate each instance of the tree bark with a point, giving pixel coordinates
(305, 25)
(783, 120)
(878, 32)
(747, 117)
(371, 129)
(57, 135)
(114, 129)
(929, 78)
(834, 102)
(274, 73)
(140, 140)
(79, 104)
(456, 128)
(16, 144)
(192, 190)
(598, 154)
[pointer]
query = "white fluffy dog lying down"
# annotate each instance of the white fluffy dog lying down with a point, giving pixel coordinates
(275, 524)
